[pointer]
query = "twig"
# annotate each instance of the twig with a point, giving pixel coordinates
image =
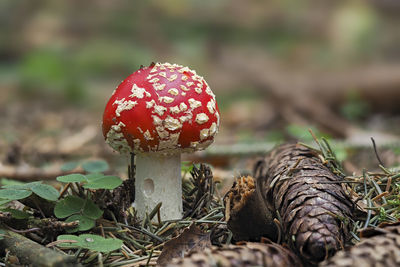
(64, 190)
(376, 152)
(22, 231)
(32, 253)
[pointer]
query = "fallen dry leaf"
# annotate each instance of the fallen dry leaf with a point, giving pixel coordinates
(191, 239)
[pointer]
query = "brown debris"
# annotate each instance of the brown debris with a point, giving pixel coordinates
(118, 200)
(242, 202)
(314, 210)
(379, 247)
(245, 254)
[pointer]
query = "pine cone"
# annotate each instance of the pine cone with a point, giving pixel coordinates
(309, 198)
(378, 247)
(246, 254)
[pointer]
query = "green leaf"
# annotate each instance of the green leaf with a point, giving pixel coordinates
(25, 186)
(85, 223)
(105, 182)
(92, 242)
(95, 166)
(17, 214)
(68, 206)
(4, 201)
(14, 194)
(5, 181)
(98, 243)
(91, 210)
(69, 166)
(45, 191)
(72, 178)
(93, 176)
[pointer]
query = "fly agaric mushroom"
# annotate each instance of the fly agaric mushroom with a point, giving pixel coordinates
(157, 113)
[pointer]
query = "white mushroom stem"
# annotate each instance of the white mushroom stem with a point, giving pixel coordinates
(158, 179)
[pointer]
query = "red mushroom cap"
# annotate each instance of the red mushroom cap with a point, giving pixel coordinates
(161, 108)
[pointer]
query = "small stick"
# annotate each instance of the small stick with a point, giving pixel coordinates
(125, 254)
(369, 213)
(49, 245)
(100, 259)
(381, 195)
(159, 217)
(389, 184)
(102, 230)
(150, 256)
(148, 223)
(165, 228)
(155, 211)
(64, 190)
(376, 152)
(23, 231)
(365, 182)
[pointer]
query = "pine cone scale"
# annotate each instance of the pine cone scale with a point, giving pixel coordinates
(246, 254)
(378, 247)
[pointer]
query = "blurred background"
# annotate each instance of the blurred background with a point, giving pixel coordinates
(278, 68)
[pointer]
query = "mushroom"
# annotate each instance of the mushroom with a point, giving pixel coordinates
(157, 113)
